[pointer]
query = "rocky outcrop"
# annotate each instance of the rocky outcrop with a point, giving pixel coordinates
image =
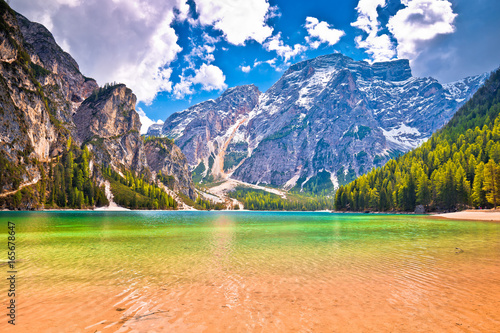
(165, 157)
(59, 74)
(46, 104)
(327, 119)
(107, 122)
(27, 133)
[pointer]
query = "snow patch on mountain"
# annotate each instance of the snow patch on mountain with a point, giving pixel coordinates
(403, 137)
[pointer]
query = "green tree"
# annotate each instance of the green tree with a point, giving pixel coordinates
(491, 183)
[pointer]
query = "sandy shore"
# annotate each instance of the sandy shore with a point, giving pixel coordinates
(473, 215)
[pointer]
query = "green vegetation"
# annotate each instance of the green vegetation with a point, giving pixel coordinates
(137, 192)
(197, 173)
(233, 158)
(39, 70)
(158, 139)
(254, 199)
(208, 205)
(10, 173)
(101, 91)
(70, 182)
(320, 184)
(457, 167)
(167, 180)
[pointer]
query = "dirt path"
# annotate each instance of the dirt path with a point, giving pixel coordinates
(33, 182)
(222, 189)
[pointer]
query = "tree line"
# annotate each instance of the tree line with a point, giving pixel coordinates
(70, 182)
(137, 192)
(261, 200)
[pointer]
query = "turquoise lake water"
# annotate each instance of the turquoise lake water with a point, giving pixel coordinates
(252, 271)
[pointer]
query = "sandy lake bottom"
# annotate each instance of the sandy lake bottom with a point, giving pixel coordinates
(252, 272)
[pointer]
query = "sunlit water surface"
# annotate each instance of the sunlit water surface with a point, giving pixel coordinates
(252, 271)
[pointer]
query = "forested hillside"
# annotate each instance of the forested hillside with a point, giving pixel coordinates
(458, 167)
(253, 199)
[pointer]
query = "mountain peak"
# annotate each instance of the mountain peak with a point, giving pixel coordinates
(396, 70)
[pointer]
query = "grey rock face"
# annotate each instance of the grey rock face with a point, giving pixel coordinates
(206, 129)
(108, 121)
(64, 84)
(329, 114)
(169, 159)
(155, 130)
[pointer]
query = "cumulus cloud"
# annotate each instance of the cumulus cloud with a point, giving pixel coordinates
(245, 69)
(146, 121)
(128, 41)
(275, 43)
(378, 46)
(419, 22)
(239, 20)
(210, 77)
(321, 32)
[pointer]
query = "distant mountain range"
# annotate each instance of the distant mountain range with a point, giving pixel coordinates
(326, 121)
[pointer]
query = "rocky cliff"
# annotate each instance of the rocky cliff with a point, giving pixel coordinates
(326, 120)
(107, 122)
(204, 131)
(49, 111)
(165, 158)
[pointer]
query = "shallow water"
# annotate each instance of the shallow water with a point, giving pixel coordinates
(252, 271)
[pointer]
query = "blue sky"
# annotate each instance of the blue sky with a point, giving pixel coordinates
(176, 53)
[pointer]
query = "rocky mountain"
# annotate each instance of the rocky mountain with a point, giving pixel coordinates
(453, 170)
(51, 114)
(324, 122)
(204, 131)
(164, 157)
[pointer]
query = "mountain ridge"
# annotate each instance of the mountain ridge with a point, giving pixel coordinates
(328, 114)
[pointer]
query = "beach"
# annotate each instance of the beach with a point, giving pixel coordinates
(473, 215)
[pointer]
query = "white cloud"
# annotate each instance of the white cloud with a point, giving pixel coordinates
(146, 121)
(270, 62)
(183, 88)
(245, 69)
(321, 32)
(273, 11)
(275, 43)
(379, 47)
(129, 41)
(420, 21)
(210, 78)
(239, 20)
(367, 15)
(199, 52)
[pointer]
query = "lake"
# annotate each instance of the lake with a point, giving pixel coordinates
(251, 271)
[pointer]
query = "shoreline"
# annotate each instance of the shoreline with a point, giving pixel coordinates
(485, 215)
